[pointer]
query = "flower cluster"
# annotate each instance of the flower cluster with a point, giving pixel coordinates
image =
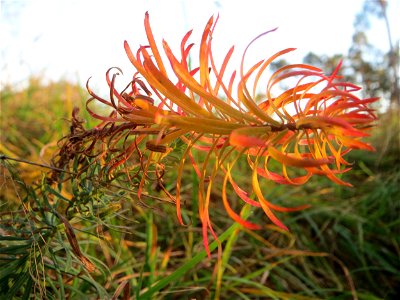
(309, 127)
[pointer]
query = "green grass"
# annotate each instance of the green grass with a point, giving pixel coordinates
(86, 237)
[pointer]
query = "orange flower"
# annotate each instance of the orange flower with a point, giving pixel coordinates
(309, 127)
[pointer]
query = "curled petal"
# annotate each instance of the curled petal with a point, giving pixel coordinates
(264, 203)
(246, 137)
(230, 211)
(292, 160)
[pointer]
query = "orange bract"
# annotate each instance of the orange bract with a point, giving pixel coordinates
(310, 126)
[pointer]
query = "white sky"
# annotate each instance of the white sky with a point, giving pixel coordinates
(83, 38)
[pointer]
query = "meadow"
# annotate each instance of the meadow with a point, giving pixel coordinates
(84, 237)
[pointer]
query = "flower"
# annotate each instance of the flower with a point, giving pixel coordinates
(308, 127)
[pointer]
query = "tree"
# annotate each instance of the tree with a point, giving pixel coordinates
(375, 68)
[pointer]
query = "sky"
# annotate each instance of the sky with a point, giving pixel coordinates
(75, 40)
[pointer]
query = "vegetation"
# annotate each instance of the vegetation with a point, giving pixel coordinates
(95, 221)
(347, 240)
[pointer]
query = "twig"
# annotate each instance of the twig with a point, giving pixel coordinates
(21, 160)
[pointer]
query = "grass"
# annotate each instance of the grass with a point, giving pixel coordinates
(88, 238)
